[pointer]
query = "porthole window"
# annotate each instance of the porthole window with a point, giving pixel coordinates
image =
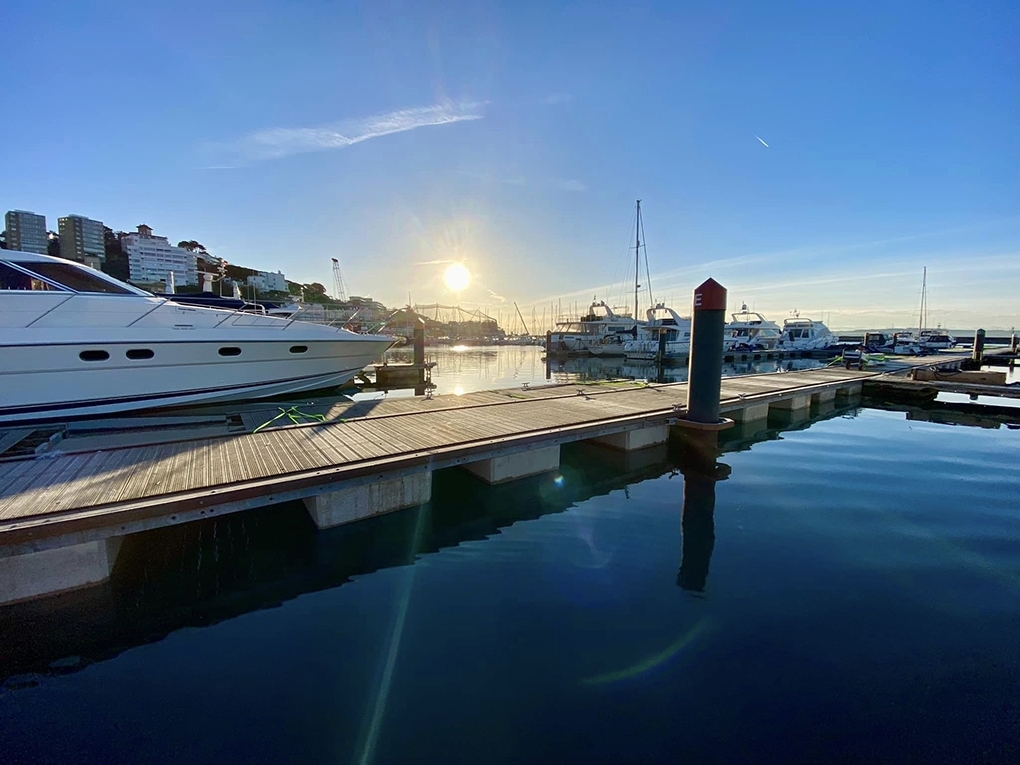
(93, 355)
(137, 354)
(298, 348)
(230, 351)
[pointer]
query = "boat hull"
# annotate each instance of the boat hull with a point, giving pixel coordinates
(47, 381)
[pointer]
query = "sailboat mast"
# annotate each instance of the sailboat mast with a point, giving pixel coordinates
(637, 258)
(924, 289)
(523, 323)
(925, 280)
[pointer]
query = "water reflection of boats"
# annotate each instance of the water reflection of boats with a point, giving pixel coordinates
(585, 369)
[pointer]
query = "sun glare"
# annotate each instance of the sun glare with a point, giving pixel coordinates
(457, 277)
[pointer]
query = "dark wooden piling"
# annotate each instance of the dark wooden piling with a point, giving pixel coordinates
(978, 354)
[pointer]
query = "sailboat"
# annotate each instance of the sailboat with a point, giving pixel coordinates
(603, 331)
(926, 340)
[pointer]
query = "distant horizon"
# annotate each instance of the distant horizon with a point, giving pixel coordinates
(574, 307)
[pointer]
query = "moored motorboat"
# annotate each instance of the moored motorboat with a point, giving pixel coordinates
(601, 328)
(750, 331)
(662, 321)
(77, 342)
(805, 335)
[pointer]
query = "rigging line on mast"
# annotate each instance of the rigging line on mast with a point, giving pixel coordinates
(648, 273)
(625, 278)
(637, 257)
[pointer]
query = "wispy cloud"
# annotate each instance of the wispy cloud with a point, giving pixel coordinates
(494, 296)
(761, 141)
(433, 262)
(517, 180)
(273, 143)
(686, 276)
(567, 184)
(562, 184)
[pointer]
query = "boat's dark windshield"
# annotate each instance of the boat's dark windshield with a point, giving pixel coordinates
(74, 277)
(13, 279)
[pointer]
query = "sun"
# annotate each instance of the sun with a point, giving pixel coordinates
(457, 277)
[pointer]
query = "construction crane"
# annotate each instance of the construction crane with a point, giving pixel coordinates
(338, 282)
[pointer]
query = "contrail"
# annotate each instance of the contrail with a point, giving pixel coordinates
(762, 142)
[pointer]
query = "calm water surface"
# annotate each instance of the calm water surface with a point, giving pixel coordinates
(463, 369)
(852, 596)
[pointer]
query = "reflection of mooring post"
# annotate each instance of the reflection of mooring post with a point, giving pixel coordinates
(704, 376)
(419, 349)
(698, 522)
(548, 354)
(698, 530)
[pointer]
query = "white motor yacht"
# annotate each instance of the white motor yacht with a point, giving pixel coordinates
(805, 335)
(661, 320)
(76, 342)
(750, 331)
(935, 340)
(601, 328)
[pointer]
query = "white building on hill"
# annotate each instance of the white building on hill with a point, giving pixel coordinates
(151, 258)
(267, 281)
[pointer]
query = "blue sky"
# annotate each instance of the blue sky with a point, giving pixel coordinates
(515, 137)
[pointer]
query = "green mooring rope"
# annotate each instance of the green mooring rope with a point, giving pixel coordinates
(296, 417)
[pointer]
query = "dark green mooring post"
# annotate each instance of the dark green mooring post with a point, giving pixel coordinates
(704, 375)
(978, 354)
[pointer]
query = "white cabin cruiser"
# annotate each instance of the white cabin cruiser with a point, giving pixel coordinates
(600, 328)
(750, 331)
(76, 342)
(661, 320)
(935, 340)
(805, 335)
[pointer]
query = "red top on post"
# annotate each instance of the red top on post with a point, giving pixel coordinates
(710, 296)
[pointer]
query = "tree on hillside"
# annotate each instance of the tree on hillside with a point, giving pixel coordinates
(3, 239)
(315, 293)
(239, 273)
(52, 244)
(191, 244)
